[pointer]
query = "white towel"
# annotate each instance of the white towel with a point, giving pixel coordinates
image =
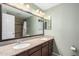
(24, 28)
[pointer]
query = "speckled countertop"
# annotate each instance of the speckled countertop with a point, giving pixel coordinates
(8, 50)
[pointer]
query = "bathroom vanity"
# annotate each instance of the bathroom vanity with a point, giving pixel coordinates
(41, 46)
(44, 49)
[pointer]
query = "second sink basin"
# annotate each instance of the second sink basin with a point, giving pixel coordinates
(22, 45)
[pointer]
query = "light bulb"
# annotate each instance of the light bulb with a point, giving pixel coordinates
(40, 12)
(27, 6)
(48, 17)
(37, 10)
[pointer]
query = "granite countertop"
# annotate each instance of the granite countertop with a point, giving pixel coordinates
(8, 50)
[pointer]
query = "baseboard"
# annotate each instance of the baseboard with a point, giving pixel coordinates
(56, 54)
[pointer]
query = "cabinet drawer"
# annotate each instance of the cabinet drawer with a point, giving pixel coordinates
(34, 50)
(45, 51)
(44, 44)
(37, 53)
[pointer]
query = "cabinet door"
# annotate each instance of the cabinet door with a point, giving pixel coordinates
(45, 50)
(50, 47)
(37, 53)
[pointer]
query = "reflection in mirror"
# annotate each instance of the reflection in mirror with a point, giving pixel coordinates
(47, 24)
(17, 23)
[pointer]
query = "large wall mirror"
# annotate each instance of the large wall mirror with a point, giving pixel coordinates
(18, 24)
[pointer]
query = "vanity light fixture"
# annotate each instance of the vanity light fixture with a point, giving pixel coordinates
(27, 5)
(37, 11)
(40, 12)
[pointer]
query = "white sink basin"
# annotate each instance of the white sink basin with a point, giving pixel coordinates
(21, 45)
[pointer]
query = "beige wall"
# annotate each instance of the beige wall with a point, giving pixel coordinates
(65, 28)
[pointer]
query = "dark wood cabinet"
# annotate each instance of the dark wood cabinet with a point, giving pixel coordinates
(37, 53)
(44, 49)
(50, 47)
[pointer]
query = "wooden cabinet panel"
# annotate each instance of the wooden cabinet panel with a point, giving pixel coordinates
(37, 53)
(50, 51)
(50, 47)
(44, 44)
(34, 50)
(45, 51)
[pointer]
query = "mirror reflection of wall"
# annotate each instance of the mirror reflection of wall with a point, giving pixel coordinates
(34, 26)
(17, 23)
(47, 24)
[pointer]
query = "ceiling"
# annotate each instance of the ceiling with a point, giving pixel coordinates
(45, 6)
